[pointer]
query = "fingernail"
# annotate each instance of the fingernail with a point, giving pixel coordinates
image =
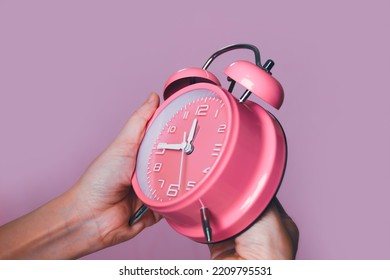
(150, 98)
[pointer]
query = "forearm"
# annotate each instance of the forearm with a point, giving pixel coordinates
(54, 231)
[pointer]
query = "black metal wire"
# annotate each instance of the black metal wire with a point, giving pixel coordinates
(234, 47)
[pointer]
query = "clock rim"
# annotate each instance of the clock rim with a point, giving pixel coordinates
(195, 194)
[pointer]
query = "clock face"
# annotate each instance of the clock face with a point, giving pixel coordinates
(182, 145)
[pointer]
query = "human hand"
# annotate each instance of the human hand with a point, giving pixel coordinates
(273, 236)
(94, 213)
(104, 192)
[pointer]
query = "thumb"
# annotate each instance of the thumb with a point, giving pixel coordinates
(129, 138)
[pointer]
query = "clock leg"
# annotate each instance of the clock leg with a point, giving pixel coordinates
(204, 213)
(138, 214)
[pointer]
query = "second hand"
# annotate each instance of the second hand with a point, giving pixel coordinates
(181, 162)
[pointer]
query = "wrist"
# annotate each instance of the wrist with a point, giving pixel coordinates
(81, 232)
(57, 230)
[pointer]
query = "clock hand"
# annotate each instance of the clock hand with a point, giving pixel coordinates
(189, 148)
(181, 162)
(192, 131)
(167, 146)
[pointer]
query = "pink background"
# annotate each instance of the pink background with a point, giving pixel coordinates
(72, 72)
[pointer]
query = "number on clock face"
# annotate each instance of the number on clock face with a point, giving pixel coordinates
(187, 148)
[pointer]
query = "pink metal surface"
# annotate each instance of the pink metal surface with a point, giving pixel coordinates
(186, 77)
(257, 81)
(242, 178)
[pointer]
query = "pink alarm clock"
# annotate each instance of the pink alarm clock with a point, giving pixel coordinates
(209, 162)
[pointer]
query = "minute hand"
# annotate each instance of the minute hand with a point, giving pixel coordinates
(192, 131)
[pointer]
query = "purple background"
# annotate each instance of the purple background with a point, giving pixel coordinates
(72, 72)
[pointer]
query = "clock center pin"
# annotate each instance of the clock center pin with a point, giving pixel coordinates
(189, 148)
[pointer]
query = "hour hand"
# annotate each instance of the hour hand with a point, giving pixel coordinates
(167, 146)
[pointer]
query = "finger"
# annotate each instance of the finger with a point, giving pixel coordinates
(134, 129)
(222, 250)
(124, 232)
(147, 220)
(249, 242)
(289, 224)
(279, 206)
(150, 218)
